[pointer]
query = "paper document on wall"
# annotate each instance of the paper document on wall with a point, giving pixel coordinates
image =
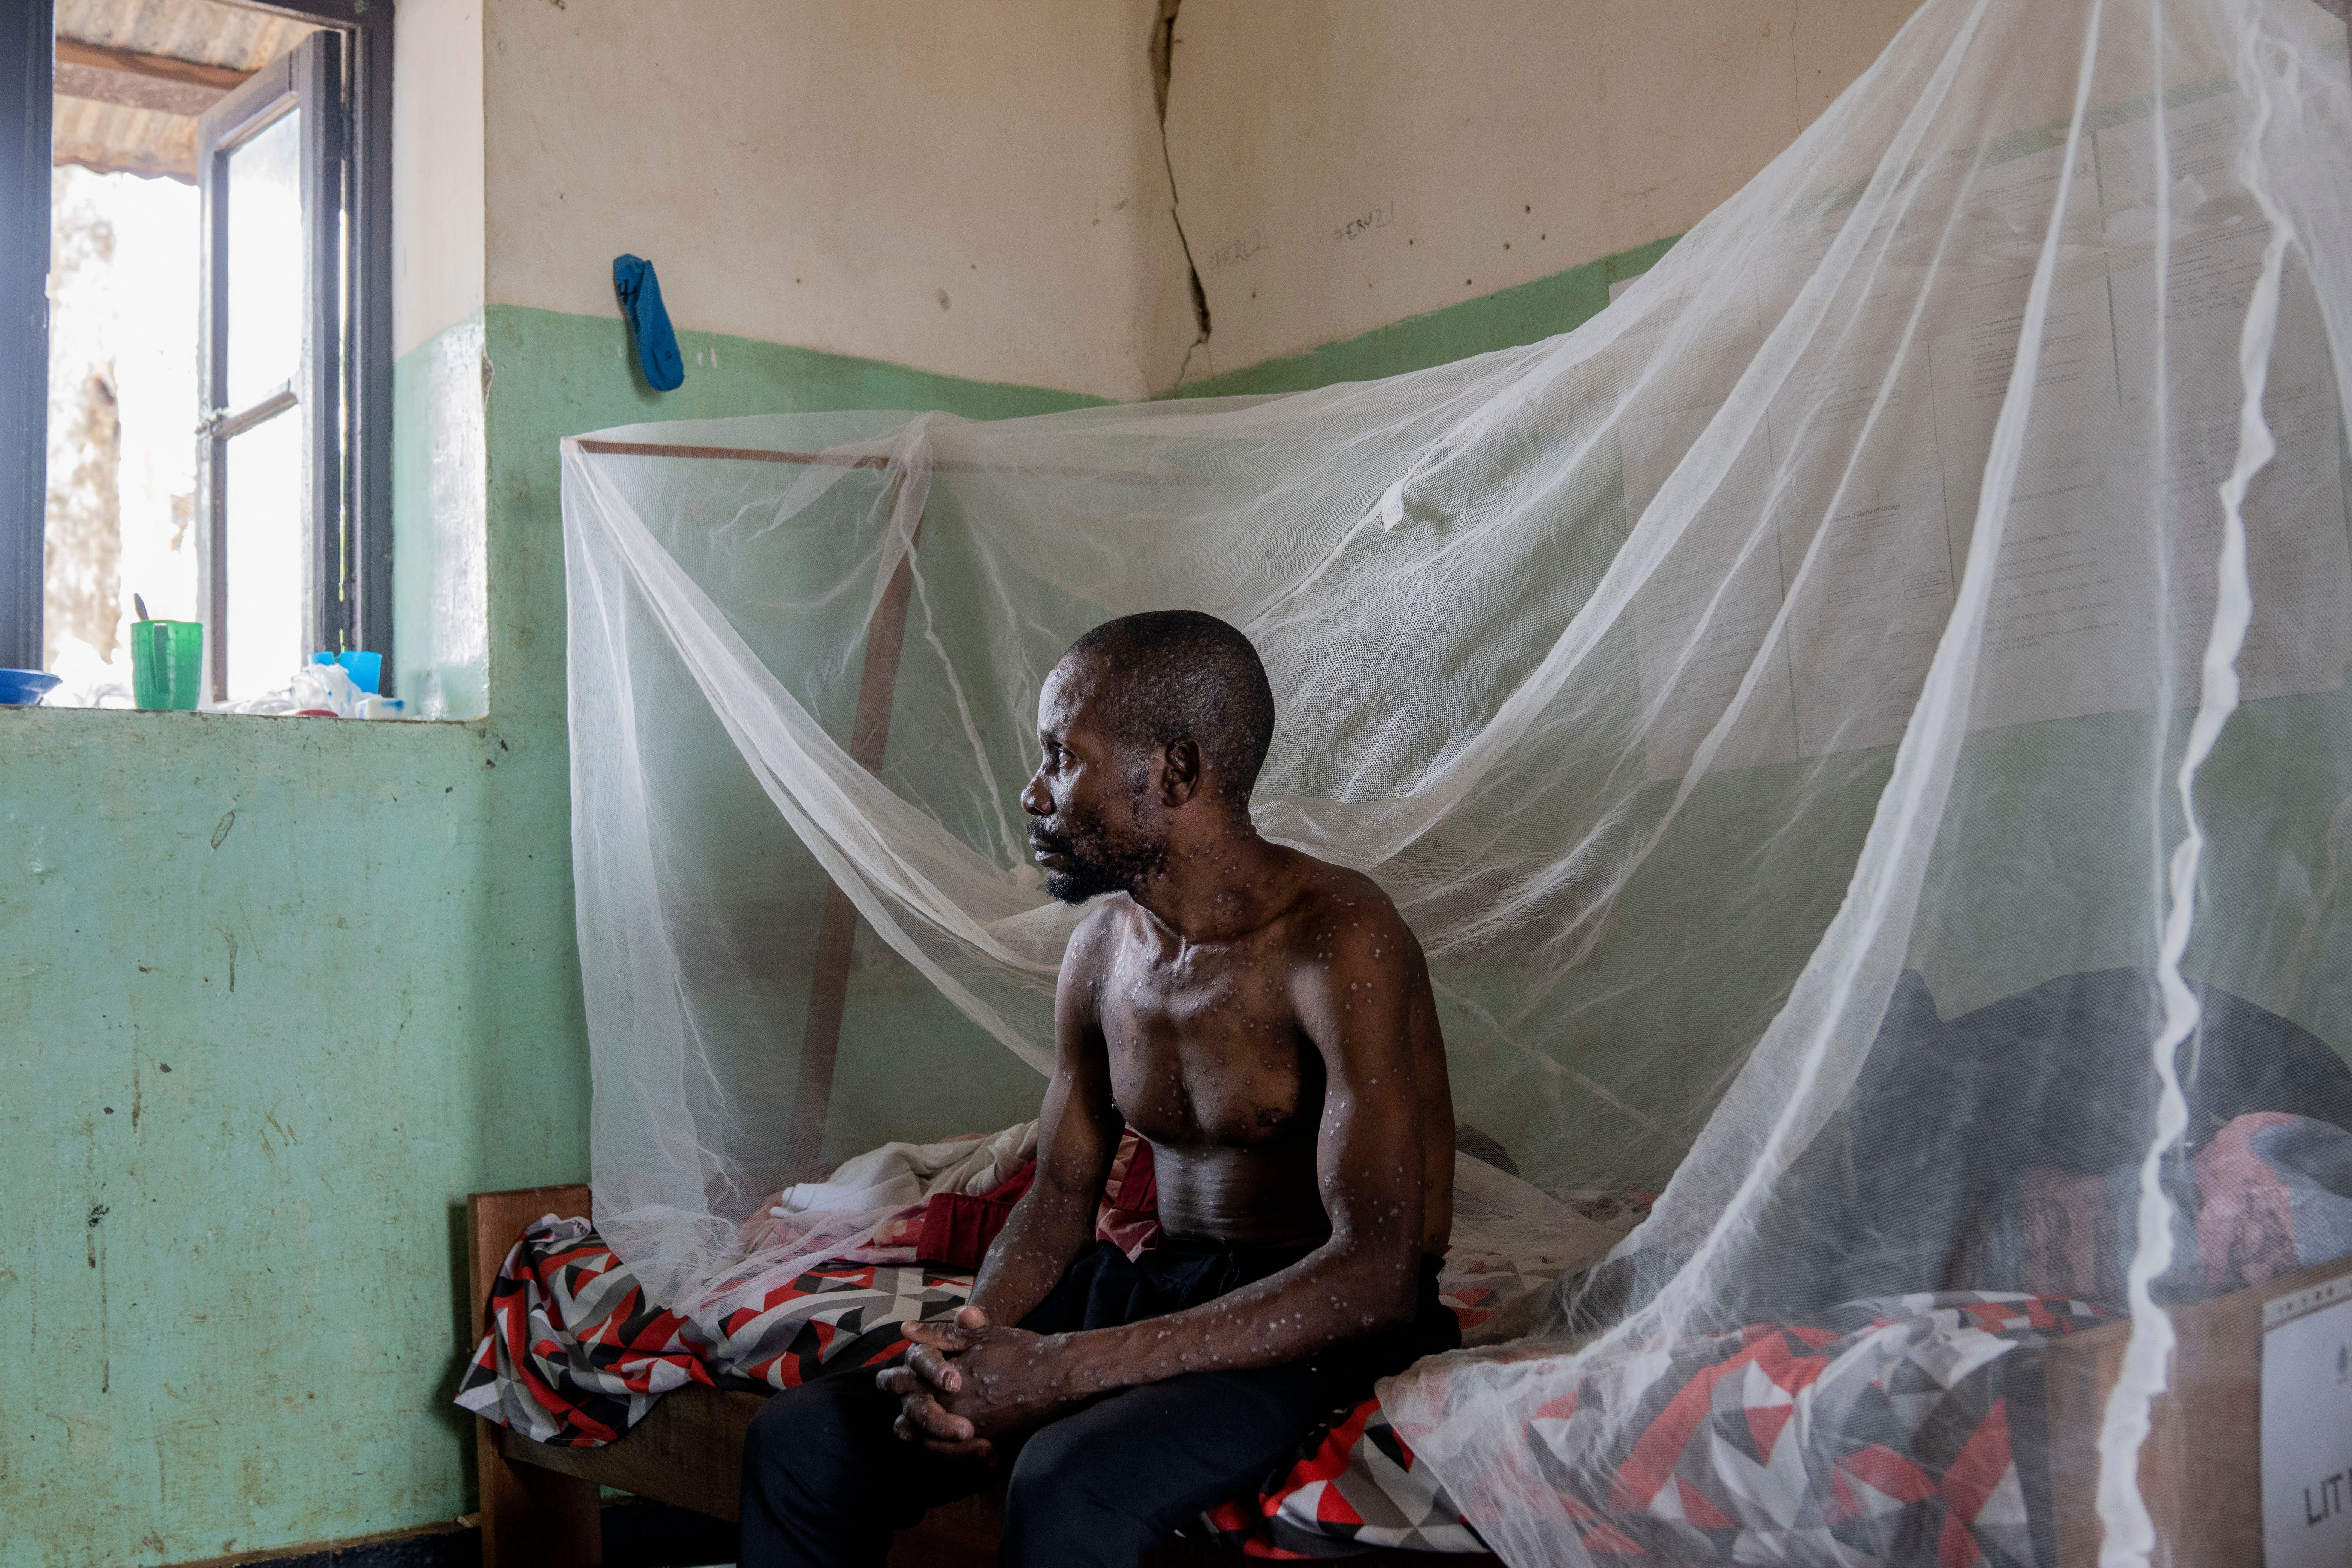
(2066, 616)
(1863, 525)
(1700, 621)
(1872, 499)
(2299, 554)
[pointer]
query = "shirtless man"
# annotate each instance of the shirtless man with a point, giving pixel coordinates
(1266, 1020)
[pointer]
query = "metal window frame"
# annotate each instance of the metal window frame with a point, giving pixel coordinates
(350, 569)
(27, 34)
(309, 80)
(363, 549)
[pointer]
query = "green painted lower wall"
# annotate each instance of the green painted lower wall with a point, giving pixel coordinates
(279, 992)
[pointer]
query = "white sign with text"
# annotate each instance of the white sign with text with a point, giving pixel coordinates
(2307, 1429)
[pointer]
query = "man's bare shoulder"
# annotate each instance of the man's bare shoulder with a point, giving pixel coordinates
(1344, 917)
(1096, 936)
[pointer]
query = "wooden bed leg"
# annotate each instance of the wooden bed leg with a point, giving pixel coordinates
(533, 1518)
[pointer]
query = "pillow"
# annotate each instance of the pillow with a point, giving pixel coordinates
(2275, 1195)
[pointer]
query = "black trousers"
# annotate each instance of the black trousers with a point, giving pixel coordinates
(826, 1482)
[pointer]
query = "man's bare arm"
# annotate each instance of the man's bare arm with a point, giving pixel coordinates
(1079, 1131)
(1077, 1136)
(1353, 1001)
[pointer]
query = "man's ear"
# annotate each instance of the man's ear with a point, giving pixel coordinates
(1179, 773)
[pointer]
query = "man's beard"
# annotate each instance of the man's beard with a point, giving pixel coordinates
(1095, 863)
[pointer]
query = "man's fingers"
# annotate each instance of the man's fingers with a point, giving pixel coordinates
(948, 1336)
(935, 1368)
(908, 1383)
(924, 1414)
(950, 1333)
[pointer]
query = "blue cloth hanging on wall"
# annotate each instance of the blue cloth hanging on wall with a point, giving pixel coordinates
(641, 301)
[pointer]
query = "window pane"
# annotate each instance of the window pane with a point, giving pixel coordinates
(265, 261)
(268, 555)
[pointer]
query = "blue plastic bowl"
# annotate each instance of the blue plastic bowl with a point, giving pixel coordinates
(25, 687)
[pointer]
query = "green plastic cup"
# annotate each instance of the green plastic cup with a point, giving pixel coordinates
(167, 663)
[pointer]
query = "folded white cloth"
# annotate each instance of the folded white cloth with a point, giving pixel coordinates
(837, 1216)
(897, 1175)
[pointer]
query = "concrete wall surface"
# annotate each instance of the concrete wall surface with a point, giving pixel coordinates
(278, 991)
(436, 168)
(984, 190)
(1343, 164)
(974, 188)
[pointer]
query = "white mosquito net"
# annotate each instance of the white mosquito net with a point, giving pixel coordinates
(1859, 726)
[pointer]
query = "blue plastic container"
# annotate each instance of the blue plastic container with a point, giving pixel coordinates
(25, 687)
(366, 669)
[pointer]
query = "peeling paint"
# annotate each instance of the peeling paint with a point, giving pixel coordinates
(97, 1244)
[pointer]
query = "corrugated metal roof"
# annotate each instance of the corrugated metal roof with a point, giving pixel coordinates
(113, 136)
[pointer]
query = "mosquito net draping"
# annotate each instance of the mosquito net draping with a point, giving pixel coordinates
(1861, 717)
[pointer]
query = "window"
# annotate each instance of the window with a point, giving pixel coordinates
(273, 580)
(259, 285)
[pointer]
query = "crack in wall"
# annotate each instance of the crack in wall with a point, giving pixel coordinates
(1163, 60)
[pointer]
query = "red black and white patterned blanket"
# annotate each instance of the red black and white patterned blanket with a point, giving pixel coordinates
(1893, 1430)
(575, 1356)
(1905, 1429)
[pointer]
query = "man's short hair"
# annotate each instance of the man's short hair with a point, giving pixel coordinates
(1181, 675)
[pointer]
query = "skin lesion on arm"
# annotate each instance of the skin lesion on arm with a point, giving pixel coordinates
(1077, 1136)
(1356, 1003)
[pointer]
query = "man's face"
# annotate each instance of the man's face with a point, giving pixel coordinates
(1093, 825)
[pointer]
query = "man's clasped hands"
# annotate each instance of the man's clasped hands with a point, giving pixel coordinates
(968, 1382)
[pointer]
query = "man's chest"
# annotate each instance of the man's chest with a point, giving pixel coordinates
(1208, 1052)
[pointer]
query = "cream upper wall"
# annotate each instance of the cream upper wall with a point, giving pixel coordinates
(1471, 146)
(436, 167)
(976, 188)
(822, 173)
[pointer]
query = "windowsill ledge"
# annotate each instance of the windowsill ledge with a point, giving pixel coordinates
(402, 723)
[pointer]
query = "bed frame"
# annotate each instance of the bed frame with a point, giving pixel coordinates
(540, 1503)
(2201, 1470)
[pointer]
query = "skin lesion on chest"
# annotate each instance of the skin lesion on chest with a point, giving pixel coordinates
(1234, 1085)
